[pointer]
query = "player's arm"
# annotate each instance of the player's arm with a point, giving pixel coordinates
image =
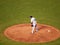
(31, 23)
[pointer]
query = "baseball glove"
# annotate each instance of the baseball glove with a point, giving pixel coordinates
(31, 25)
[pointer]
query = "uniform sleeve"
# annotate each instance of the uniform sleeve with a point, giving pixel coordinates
(31, 20)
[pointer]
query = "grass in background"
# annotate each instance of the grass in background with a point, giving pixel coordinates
(18, 11)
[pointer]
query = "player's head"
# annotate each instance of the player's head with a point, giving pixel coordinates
(31, 16)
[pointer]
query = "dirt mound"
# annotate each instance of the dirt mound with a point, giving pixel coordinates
(22, 33)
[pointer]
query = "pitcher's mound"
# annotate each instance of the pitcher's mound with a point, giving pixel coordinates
(22, 33)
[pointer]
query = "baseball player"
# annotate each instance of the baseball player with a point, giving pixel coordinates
(33, 24)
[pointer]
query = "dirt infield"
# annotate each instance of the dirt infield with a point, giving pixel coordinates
(22, 33)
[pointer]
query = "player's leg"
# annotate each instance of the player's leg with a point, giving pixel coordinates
(33, 28)
(36, 27)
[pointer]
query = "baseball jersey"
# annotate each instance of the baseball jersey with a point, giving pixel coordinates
(33, 20)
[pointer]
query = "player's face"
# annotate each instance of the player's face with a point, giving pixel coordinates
(30, 16)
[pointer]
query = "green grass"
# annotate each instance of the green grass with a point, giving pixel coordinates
(18, 11)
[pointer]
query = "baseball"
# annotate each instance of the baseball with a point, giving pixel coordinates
(49, 31)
